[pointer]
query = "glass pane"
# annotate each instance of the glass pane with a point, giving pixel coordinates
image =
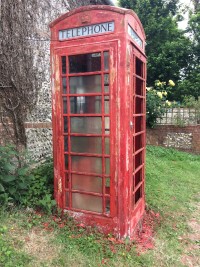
(83, 144)
(65, 126)
(138, 177)
(107, 205)
(106, 105)
(85, 63)
(106, 60)
(106, 83)
(139, 106)
(86, 125)
(107, 184)
(138, 194)
(85, 104)
(138, 142)
(87, 164)
(139, 67)
(139, 89)
(66, 181)
(66, 143)
(63, 59)
(66, 162)
(138, 159)
(107, 165)
(87, 183)
(139, 124)
(107, 125)
(107, 146)
(85, 84)
(86, 202)
(67, 199)
(64, 105)
(64, 85)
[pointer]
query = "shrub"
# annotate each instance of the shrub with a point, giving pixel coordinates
(156, 101)
(40, 191)
(21, 184)
(14, 175)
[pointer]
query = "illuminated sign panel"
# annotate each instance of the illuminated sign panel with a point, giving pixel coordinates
(87, 30)
(135, 36)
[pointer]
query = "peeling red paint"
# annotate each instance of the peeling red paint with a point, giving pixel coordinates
(118, 206)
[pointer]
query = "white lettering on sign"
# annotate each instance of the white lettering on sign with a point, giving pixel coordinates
(135, 36)
(87, 30)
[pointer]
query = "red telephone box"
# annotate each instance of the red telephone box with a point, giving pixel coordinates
(98, 90)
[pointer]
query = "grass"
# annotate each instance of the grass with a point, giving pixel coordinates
(172, 190)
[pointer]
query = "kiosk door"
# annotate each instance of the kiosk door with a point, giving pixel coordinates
(139, 125)
(88, 114)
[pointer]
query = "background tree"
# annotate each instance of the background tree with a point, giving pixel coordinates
(190, 85)
(168, 50)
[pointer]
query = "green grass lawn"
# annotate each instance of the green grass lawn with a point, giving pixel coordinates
(172, 190)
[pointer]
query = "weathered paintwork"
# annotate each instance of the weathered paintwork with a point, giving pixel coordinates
(127, 117)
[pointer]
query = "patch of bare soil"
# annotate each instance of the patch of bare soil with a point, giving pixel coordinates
(192, 255)
(38, 243)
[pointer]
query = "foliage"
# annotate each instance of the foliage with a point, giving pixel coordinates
(21, 184)
(191, 102)
(168, 50)
(190, 85)
(40, 191)
(14, 175)
(156, 101)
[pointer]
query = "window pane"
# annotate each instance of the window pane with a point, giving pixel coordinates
(138, 177)
(139, 126)
(86, 125)
(83, 144)
(138, 195)
(86, 202)
(138, 159)
(139, 68)
(107, 146)
(67, 199)
(64, 105)
(66, 143)
(85, 63)
(139, 90)
(87, 164)
(139, 106)
(85, 84)
(63, 59)
(85, 104)
(106, 60)
(65, 126)
(87, 183)
(66, 181)
(106, 104)
(106, 83)
(138, 142)
(64, 85)
(107, 205)
(107, 185)
(107, 165)
(66, 162)
(107, 125)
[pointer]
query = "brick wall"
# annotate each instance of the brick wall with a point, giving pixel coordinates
(183, 138)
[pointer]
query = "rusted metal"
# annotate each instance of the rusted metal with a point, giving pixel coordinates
(98, 101)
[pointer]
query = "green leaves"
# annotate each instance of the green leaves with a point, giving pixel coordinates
(168, 49)
(14, 175)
